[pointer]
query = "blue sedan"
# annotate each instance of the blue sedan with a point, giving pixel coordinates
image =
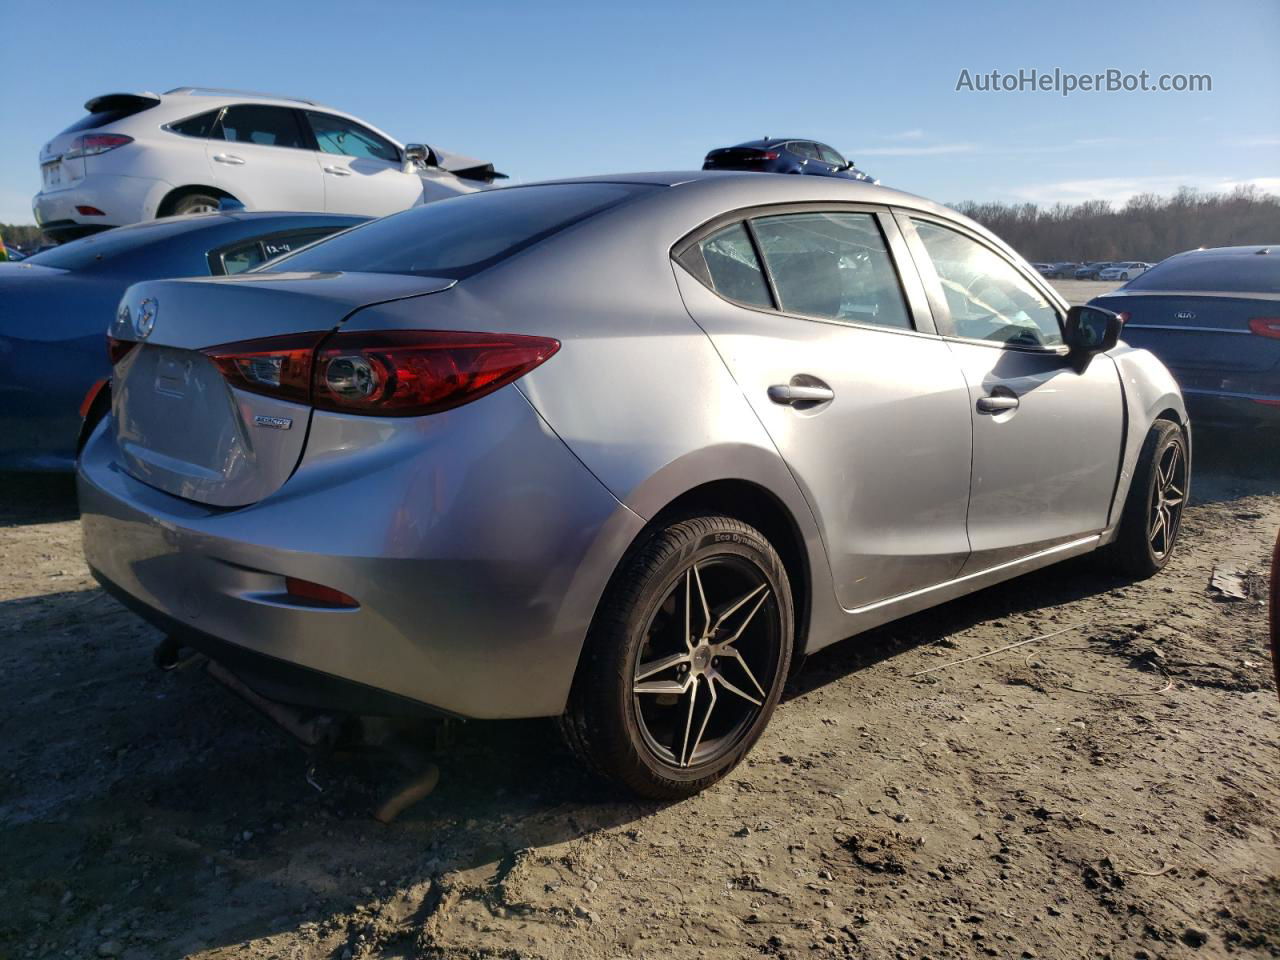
(782, 155)
(55, 308)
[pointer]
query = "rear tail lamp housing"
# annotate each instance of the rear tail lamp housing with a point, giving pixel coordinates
(386, 373)
(93, 144)
(1265, 326)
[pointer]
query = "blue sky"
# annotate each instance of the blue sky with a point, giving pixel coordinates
(556, 89)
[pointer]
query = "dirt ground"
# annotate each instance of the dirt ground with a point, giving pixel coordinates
(1111, 791)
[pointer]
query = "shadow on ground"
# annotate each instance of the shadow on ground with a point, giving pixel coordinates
(171, 794)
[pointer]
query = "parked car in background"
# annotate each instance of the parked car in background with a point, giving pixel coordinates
(1123, 270)
(139, 156)
(57, 306)
(1090, 271)
(1213, 318)
(779, 155)
(428, 464)
(1066, 270)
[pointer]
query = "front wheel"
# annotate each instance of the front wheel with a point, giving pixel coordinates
(685, 661)
(1124, 276)
(1153, 509)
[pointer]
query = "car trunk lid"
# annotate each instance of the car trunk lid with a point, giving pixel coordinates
(180, 426)
(1200, 333)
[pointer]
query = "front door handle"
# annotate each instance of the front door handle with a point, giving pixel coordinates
(998, 403)
(792, 393)
(230, 158)
(338, 171)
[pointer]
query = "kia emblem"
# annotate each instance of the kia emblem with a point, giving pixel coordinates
(1184, 315)
(145, 320)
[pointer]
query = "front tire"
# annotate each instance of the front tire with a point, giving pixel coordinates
(1153, 509)
(685, 661)
(1124, 276)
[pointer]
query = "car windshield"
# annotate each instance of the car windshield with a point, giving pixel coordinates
(460, 236)
(1243, 273)
(101, 247)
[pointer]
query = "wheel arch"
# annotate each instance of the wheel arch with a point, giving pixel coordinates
(170, 200)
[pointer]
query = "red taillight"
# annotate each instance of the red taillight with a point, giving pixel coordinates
(1265, 326)
(277, 366)
(405, 373)
(92, 144)
(387, 373)
(117, 349)
(768, 155)
(87, 211)
(317, 593)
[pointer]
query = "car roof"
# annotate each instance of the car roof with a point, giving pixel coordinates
(1224, 253)
(775, 141)
(733, 189)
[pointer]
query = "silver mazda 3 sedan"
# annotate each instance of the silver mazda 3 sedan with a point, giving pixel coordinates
(614, 450)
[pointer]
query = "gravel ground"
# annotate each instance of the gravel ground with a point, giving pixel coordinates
(1111, 791)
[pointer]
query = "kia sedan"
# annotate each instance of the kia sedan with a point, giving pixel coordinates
(616, 450)
(1212, 316)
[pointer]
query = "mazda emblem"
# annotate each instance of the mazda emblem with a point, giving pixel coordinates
(145, 321)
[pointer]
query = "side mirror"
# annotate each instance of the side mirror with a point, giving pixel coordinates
(1089, 331)
(417, 155)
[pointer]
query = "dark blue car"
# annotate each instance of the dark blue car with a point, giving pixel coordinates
(1213, 318)
(55, 308)
(781, 155)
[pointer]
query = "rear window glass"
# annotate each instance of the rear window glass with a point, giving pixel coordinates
(101, 247)
(1242, 273)
(460, 236)
(100, 118)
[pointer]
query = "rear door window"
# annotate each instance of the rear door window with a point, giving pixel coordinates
(264, 125)
(835, 266)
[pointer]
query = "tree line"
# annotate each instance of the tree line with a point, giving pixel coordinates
(1147, 227)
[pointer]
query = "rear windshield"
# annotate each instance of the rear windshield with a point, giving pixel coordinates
(460, 236)
(105, 246)
(1242, 273)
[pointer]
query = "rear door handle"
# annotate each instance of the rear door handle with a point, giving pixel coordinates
(791, 393)
(338, 171)
(998, 403)
(230, 158)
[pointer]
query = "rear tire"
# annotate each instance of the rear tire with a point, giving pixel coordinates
(1153, 509)
(197, 202)
(685, 661)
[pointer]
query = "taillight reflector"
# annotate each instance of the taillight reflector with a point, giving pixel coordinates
(317, 593)
(1265, 326)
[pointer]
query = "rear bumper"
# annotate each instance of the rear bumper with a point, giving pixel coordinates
(475, 543)
(122, 200)
(1216, 406)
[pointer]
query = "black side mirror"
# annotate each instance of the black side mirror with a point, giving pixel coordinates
(1089, 331)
